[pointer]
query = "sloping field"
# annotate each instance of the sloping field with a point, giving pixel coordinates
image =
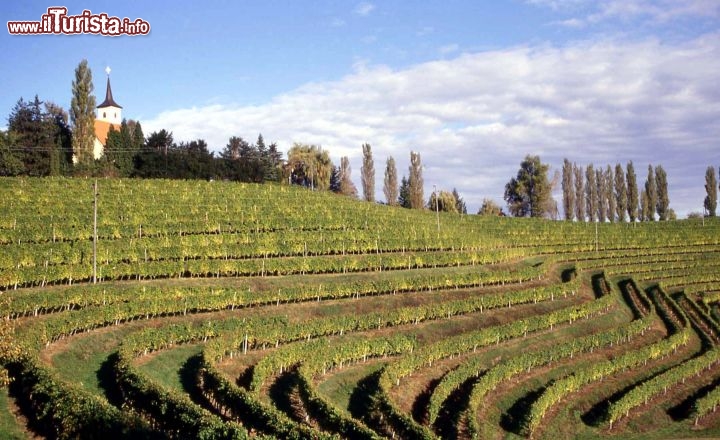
(226, 310)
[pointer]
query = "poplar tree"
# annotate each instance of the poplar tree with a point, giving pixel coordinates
(620, 193)
(711, 188)
(662, 204)
(611, 201)
(390, 187)
(568, 190)
(632, 193)
(579, 193)
(367, 174)
(644, 206)
(347, 187)
(601, 195)
(591, 196)
(82, 114)
(651, 194)
(415, 181)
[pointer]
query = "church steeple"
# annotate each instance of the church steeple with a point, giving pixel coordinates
(109, 110)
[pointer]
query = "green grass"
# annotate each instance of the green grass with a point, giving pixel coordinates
(167, 367)
(9, 427)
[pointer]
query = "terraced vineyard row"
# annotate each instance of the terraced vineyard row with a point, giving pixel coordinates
(235, 311)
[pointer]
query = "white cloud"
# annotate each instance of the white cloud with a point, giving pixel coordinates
(475, 117)
(364, 8)
(653, 11)
(449, 48)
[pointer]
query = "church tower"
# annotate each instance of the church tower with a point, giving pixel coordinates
(109, 110)
(109, 114)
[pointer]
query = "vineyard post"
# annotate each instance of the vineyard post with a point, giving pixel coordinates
(596, 237)
(95, 194)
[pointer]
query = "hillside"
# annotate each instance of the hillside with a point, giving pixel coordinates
(226, 310)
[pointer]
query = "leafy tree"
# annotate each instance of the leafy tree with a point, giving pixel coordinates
(275, 158)
(568, 190)
(10, 162)
(620, 193)
(490, 208)
(611, 201)
(309, 166)
(56, 122)
(390, 187)
(335, 180)
(111, 161)
(154, 159)
(651, 194)
(415, 181)
(632, 193)
(367, 174)
(40, 137)
(137, 135)
(347, 187)
(529, 194)
(579, 193)
(120, 151)
(662, 204)
(404, 193)
(591, 194)
(82, 114)
(442, 201)
(711, 189)
(459, 202)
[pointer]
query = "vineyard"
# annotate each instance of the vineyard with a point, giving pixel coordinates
(157, 309)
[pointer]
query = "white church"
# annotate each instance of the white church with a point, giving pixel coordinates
(109, 113)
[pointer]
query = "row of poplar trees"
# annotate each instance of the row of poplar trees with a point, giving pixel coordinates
(607, 194)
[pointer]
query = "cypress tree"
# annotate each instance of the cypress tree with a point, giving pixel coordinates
(367, 174)
(568, 190)
(415, 181)
(390, 187)
(620, 193)
(711, 188)
(82, 114)
(579, 193)
(632, 193)
(662, 203)
(651, 194)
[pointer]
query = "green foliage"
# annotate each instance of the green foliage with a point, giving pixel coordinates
(662, 205)
(490, 208)
(711, 188)
(415, 182)
(568, 190)
(443, 201)
(82, 114)
(529, 194)
(632, 193)
(390, 186)
(367, 174)
(346, 185)
(579, 193)
(621, 197)
(309, 166)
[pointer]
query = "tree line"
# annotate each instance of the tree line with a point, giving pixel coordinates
(310, 166)
(613, 195)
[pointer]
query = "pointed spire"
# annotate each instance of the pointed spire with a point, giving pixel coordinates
(109, 101)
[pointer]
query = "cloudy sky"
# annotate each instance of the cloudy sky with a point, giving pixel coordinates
(474, 86)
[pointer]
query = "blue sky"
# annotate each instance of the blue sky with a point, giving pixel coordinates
(472, 85)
